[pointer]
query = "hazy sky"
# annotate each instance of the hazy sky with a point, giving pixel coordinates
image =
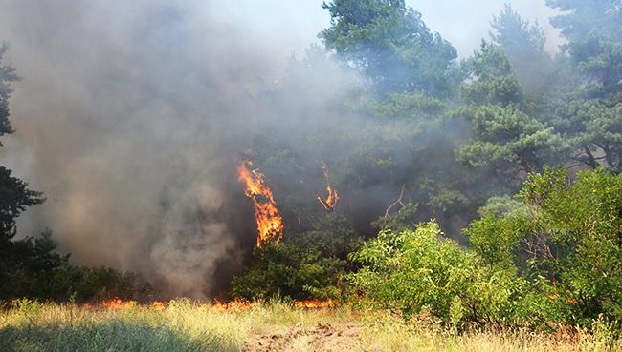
(463, 23)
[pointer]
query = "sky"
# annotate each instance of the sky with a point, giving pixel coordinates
(463, 23)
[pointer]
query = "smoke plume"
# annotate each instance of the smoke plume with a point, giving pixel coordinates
(131, 117)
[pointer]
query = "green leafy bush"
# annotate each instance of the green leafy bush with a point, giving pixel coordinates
(30, 268)
(305, 265)
(565, 238)
(551, 255)
(289, 271)
(414, 271)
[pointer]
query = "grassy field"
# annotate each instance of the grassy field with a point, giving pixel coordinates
(186, 326)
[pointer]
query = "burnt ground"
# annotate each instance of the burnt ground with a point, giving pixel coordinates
(321, 337)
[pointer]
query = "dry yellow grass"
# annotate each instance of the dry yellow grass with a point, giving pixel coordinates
(186, 326)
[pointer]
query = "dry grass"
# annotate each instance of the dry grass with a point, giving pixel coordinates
(383, 332)
(186, 326)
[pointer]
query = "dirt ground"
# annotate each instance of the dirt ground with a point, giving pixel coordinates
(322, 337)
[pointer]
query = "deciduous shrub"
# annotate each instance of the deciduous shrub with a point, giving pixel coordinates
(565, 238)
(289, 271)
(418, 270)
(551, 255)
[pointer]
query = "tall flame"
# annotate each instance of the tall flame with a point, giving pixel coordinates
(269, 224)
(331, 199)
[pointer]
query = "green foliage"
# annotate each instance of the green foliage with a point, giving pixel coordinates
(566, 240)
(15, 196)
(84, 284)
(374, 146)
(495, 237)
(30, 268)
(490, 79)
(399, 216)
(594, 41)
(26, 262)
(7, 76)
(551, 255)
(513, 32)
(414, 271)
(523, 44)
(306, 265)
(289, 271)
(593, 130)
(579, 18)
(589, 110)
(391, 45)
(506, 137)
(406, 106)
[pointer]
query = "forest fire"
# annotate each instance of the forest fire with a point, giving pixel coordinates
(330, 202)
(221, 306)
(117, 303)
(269, 223)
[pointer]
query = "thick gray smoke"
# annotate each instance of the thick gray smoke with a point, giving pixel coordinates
(131, 117)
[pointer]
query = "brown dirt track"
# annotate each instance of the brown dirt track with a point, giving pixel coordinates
(321, 337)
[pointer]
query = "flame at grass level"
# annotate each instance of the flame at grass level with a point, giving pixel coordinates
(269, 224)
(232, 306)
(117, 303)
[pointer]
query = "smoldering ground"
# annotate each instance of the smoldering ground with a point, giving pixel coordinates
(131, 117)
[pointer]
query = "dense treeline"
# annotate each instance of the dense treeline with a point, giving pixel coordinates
(442, 139)
(513, 153)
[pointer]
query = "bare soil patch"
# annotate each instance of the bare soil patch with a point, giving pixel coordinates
(321, 337)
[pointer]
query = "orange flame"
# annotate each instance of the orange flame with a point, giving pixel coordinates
(158, 305)
(220, 306)
(269, 224)
(331, 199)
(118, 303)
